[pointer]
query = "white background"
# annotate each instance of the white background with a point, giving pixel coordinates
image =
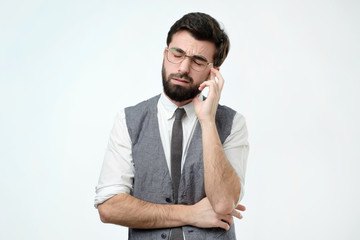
(67, 67)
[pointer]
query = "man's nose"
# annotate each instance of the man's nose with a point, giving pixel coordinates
(185, 65)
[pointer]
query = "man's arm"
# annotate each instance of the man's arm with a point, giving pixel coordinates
(222, 184)
(126, 210)
(123, 209)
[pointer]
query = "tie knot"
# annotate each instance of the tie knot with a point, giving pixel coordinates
(179, 113)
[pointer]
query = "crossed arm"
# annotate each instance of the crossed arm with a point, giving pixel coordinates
(222, 185)
(126, 210)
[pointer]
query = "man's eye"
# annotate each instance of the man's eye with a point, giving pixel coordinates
(199, 62)
(177, 54)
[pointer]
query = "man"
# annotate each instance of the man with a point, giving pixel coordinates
(175, 164)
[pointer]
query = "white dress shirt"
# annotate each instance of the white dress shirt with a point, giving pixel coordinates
(117, 172)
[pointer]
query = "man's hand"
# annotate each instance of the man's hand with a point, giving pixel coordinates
(204, 216)
(206, 110)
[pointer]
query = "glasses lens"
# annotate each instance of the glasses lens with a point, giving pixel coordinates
(198, 64)
(175, 56)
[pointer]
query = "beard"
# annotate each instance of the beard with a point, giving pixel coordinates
(176, 92)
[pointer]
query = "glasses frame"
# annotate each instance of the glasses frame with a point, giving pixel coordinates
(189, 56)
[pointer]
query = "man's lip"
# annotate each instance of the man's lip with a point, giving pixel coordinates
(181, 80)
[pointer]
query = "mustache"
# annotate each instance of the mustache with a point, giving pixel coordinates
(182, 76)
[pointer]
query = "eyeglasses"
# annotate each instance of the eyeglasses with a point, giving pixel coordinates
(177, 55)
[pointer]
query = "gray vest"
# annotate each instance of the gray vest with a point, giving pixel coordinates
(152, 181)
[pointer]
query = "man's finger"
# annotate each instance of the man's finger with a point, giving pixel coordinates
(219, 77)
(223, 225)
(228, 219)
(240, 207)
(236, 214)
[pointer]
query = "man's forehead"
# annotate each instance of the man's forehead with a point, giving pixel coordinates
(186, 42)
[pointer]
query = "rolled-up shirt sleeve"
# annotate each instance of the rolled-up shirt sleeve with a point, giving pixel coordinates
(236, 148)
(117, 171)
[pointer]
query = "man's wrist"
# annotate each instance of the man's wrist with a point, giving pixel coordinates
(207, 123)
(183, 213)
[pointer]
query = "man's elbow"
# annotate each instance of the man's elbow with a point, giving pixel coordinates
(104, 213)
(110, 212)
(224, 207)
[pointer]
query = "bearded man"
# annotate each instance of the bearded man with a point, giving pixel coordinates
(175, 164)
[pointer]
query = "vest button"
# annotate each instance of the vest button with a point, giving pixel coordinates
(163, 236)
(168, 200)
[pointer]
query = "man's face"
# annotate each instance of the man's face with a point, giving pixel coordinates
(180, 81)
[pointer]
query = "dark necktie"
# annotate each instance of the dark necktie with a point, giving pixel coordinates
(176, 155)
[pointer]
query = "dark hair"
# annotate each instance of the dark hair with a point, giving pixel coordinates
(203, 27)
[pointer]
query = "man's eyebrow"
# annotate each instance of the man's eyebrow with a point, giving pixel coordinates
(199, 57)
(178, 50)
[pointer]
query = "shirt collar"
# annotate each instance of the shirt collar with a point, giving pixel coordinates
(170, 107)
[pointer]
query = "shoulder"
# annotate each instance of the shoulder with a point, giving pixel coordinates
(139, 115)
(225, 115)
(225, 111)
(224, 121)
(142, 106)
